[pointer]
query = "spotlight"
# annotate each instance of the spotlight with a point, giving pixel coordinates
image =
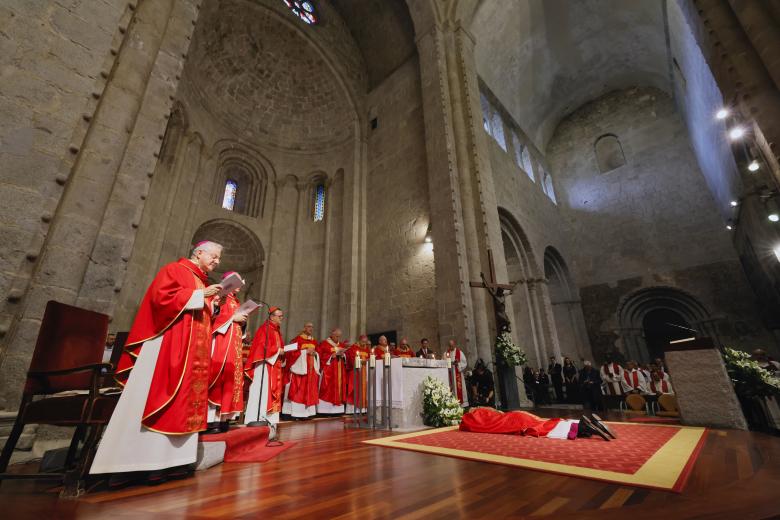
(737, 133)
(772, 211)
(734, 203)
(753, 166)
(773, 217)
(776, 251)
(723, 113)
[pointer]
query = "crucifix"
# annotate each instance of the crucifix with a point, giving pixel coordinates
(498, 292)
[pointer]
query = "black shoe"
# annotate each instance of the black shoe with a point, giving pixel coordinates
(599, 423)
(179, 472)
(224, 427)
(587, 429)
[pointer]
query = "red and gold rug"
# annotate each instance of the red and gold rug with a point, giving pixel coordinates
(647, 455)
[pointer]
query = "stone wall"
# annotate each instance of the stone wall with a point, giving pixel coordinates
(400, 266)
(649, 223)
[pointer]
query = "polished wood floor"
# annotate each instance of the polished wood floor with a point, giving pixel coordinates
(331, 474)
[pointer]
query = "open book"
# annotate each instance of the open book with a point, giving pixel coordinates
(248, 307)
(231, 282)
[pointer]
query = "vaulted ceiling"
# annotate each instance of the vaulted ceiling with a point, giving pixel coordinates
(545, 58)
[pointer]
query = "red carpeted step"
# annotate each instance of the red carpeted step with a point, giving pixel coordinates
(248, 444)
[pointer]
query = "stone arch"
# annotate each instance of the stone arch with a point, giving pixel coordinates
(243, 252)
(635, 306)
(609, 153)
(528, 309)
(566, 306)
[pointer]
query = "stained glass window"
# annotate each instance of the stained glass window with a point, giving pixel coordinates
(304, 10)
(229, 198)
(319, 203)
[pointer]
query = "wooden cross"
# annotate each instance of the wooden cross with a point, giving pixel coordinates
(491, 284)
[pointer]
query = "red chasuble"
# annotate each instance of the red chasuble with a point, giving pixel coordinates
(380, 354)
(226, 372)
(303, 389)
(363, 352)
(333, 387)
(266, 343)
(489, 420)
(177, 397)
(401, 352)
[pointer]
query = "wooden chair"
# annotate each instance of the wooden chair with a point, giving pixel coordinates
(62, 389)
(668, 403)
(636, 404)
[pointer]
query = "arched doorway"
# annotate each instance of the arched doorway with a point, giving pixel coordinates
(646, 318)
(566, 307)
(242, 253)
(660, 326)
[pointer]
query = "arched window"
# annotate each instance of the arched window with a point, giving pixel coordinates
(229, 197)
(609, 153)
(528, 164)
(319, 203)
(518, 148)
(547, 186)
(493, 122)
(304, 10)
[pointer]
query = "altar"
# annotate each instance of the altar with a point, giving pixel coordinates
(407, 376)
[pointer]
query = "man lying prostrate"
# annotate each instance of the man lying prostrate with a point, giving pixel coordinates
(490, 420)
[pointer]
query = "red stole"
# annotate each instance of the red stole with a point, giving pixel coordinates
(403, 353)
(266, 343)
(333, 387)
(662, 387)
(303, 389)
(176, 402)
(632, 378)
(458, 379)
(226, 376)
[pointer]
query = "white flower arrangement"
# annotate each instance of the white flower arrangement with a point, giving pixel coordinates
(440, 407)
(508, 352)
(748, 377)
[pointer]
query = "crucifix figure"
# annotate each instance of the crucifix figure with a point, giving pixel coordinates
(498, 292)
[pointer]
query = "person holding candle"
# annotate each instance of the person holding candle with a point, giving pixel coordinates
(357, 356)
(382, 349)
(458, 359)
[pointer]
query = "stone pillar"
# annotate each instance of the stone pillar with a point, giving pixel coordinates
(119, 149)
(292, 317)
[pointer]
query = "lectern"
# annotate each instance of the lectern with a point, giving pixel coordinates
(702, 386)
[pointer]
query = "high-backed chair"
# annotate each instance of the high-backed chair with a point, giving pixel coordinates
(636, 404)
(668, 404)
(62, 387)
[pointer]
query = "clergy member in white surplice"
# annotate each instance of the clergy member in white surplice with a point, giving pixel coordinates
(164, 370)
(634, 381)
(458, 358)
(611, 378)
(264, 368)
(301, 393)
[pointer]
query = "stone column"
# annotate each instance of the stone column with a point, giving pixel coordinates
(119, 149)
(326, 296)
(300, 217)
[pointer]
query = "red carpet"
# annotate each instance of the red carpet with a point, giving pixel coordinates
(654, 456)
(247, 445)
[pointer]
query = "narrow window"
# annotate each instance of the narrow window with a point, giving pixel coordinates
(229, 198)
(319, 203)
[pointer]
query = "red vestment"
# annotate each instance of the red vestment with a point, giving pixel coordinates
(265, 345)
(178, 393)
(488, 420)
(303, 388)
(226, 372)
(333, 387)
(403, 353)
(363, 352)
(380, 354)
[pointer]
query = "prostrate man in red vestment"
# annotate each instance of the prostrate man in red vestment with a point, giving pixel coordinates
(333, 382)
(612, 378)
(361, 349)
(302, 394)
(264, 368)
(226, 371)
(458, 358)
(164, 370)
(634, 381)
(403, 350)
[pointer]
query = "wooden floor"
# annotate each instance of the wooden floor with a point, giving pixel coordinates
(331, 474)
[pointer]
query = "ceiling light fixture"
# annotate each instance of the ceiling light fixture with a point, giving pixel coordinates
(723, 113)
(736, 133)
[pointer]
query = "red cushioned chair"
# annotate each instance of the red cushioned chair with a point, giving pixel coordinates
(63, 389)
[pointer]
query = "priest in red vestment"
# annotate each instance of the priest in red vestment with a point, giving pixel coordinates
(403, 350)
(360, 349)
(333, 381)
(458, 358)
(164, 369)
(303, 365)
(382, 348)
(226, 371)
(264, 368)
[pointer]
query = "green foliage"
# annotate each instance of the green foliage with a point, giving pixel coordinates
(440, 407)
(509, 353)
(749, 379)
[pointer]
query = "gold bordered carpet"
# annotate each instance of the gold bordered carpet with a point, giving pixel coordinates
(656, 456)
